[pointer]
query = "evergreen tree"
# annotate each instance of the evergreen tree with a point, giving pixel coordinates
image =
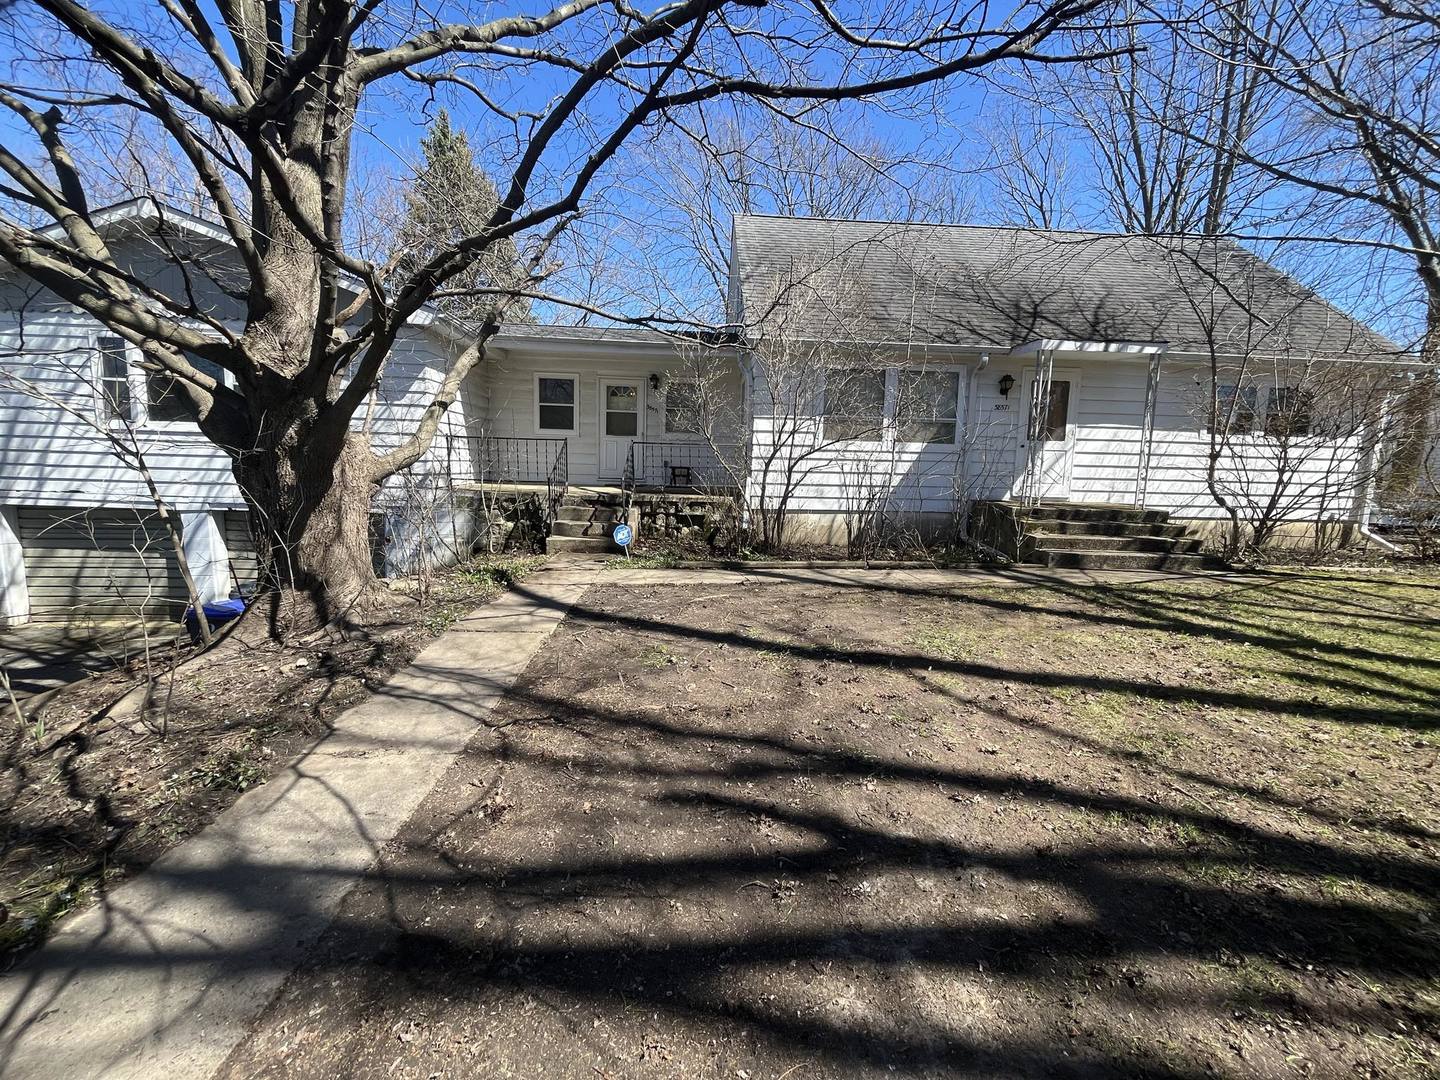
(451, 199)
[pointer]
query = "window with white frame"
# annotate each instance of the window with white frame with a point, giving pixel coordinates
(1235, 408)
(682, 408)
(927, 405)
(904, 405)
(128, 394)
(112, 377)
(165, 402)
(1289, 412)
(555, 404)
(854, 404)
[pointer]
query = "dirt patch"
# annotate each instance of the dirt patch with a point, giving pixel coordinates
(87, 799)
(789, 831)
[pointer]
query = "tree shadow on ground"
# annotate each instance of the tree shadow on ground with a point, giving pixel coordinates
(686, 847)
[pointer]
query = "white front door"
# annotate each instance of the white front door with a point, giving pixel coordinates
(621, 407)
(1055, 437)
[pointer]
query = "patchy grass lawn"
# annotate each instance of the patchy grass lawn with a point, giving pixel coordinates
(86, 800)
(1173, 830)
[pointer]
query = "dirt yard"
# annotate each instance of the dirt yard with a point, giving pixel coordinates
(789, 831)
(88, 797)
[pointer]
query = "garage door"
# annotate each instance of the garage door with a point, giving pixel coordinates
(102, 564)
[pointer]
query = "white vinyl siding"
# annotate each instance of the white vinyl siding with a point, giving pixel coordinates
(509, 387)
(1108, 408)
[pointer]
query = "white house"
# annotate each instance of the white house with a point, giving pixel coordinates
(956, 364)
(1026, 365)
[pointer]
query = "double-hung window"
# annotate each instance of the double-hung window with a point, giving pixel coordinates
(905, 405)
(1235, 408)
(854, 404)
(927, 406)
(1289, 412)
(556, 410)
(128, 394)
(113, 378)
(165, 402)
(682, 408)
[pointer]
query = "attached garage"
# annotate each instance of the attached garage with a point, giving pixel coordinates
(98, 564)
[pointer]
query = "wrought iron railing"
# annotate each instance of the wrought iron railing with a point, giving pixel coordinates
(556, 482)
(687, 466)
(497, 459)
(503, 459)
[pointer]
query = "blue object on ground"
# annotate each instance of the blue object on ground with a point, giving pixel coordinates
(217, 613)
(623, 535)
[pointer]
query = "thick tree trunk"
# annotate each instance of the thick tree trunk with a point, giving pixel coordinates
(310, 496)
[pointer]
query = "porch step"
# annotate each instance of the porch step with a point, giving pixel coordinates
(1171, 543)
(593, 498)
(571, 527)
(579, 511)
(1097, 536)
(1123, 560)
(588, 545)
(1097, 512)
(1095, 526)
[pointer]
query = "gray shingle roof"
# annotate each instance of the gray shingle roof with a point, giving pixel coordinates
(1002, 287)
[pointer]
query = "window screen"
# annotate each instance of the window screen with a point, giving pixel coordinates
(165, 398)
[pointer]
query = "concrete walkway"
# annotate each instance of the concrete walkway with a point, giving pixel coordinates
(163, 977)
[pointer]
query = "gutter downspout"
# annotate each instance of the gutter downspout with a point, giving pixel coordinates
(965, 436)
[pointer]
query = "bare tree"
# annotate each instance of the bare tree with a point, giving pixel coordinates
(1292, 429)
(263, 107)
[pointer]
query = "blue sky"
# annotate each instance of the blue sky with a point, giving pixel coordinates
(941, 136)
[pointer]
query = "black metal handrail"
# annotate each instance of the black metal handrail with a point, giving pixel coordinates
(556, 482)
(689, 466)
(505, 459)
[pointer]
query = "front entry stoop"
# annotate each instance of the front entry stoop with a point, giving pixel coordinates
(1095, 536)
(584, 523)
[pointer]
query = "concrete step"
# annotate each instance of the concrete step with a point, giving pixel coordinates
(1172, 545)
(578, 512)
(591, 498)
(1080, 512)
(562, 527)
(586, 545)
(1124, 560)
(1103, 528)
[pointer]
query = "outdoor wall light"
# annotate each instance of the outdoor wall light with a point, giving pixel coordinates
(654, 382)
(1007, 382)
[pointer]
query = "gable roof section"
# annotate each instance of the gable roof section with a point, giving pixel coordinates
(998, 288)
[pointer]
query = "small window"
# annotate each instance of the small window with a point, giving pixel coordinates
(927, 406)
(682, 408)
(1055, 423)
(854, 404)
(166, 401)
(114, 377)
(1236, 408)
(555, 398)
(1289, 412)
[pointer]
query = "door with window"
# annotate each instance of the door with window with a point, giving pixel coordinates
(621, 407)
(1054, 434)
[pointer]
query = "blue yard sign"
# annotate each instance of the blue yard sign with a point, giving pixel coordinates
(623, 535)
